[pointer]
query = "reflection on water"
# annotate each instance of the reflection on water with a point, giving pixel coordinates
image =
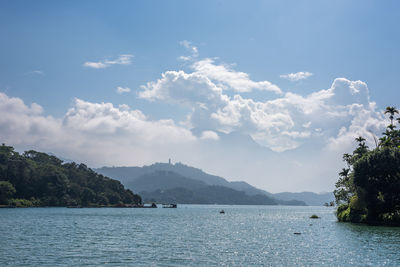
(192, 235)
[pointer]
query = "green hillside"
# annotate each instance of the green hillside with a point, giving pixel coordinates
(38, 179)
(213, 194)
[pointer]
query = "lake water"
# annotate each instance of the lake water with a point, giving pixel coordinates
(191, 235)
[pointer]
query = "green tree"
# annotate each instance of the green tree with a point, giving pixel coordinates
(344, 189)
(7, 190)
(392, 111)
(377, 177)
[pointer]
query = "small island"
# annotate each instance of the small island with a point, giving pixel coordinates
(36, 179)
(368, 190)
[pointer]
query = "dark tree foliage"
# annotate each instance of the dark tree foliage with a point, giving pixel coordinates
(368, 190)
(45, 180)
(7, 190)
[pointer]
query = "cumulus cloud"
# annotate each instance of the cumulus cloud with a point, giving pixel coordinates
(121, 90)
(223, 75)
(203, 86)
(281, 124)
(20, 122)
(96, 133)
(366, 122)
(296, 76)
(105, 119)
(183, 88)
(227, 78)
(125, 59)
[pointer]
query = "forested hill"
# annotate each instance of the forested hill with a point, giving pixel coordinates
(128, 174)
(171, 187)
(38, 179)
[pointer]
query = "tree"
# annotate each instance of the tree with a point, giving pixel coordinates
(377, 177)
(391, 111)
(361, 150)
(360, 140)
(347, 158)
(343, 191)
(7, 190)
(88, 196)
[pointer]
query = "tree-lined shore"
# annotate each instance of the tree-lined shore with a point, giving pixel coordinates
(368, 190)
(34, 179)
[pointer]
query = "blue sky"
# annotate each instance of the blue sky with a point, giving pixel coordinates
(241, 47)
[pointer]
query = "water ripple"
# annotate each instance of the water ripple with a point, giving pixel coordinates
(191, 235)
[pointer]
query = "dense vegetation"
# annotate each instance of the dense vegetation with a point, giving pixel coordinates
(171, 187)
(212, 194)
(368, 190)
(38, 179)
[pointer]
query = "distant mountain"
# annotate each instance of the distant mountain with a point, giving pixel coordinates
(211, 194)
(185, 184)
(249, 189)
(127, 174)
(164, 186)
(310, 198)
(163, 180)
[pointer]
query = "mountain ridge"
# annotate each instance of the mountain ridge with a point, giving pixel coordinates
(127, 174)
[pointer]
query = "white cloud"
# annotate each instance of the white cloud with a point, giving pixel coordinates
(95, 133)
(105, 119)
(125, 59)
(37, 72)
(204, 85)
(20, 123)
(194, 52)
(366, 122)
(223, 75)
(121, 90)
(181, 88)
(227, 78)
(210, 135)
(95, 65)
(296, 76)
(281, 124)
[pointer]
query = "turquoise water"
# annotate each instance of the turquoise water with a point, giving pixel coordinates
(191, 235)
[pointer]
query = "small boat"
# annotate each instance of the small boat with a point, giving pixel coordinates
(170, 206)
(153, 205)
(222, 212)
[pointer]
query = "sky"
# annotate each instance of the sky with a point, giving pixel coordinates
(268, 92)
